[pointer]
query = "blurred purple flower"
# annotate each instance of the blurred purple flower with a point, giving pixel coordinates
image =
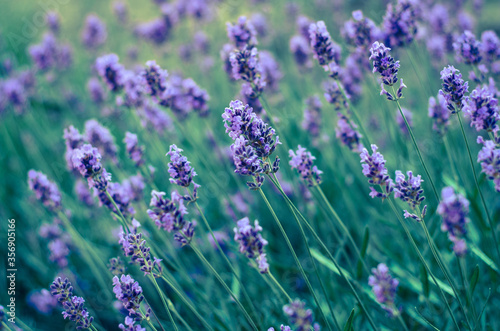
(489, 158)
(251, 242)
(134, 150)
(312, 116)
(454, 209)
(299, 46)
(348, 134)
(111, 71)
(360, 31)
(42, 301)
(467, 48)
(400, 23)
(94, 32)
(45, 190)
(242, 34)
(302, 160)
(97, 93)
(440, 114)
(179, 167)
(384, 287)
(299, 316)
(376, 172)
(100, 137)
(482, 108)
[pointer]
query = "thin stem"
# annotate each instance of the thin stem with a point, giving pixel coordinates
(337, 266)
(160, 293)
(149, 321)
(344, 228)
(280, 287)
(290, 247)
(450, 159)
(400, 319)
(93, 327)
(410, 131)
(122, 218)
(477, 187)
(219, 278)
(422, 260)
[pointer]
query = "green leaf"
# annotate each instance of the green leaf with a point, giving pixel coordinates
(362, 252)
(424, 279)
(348, 324)
(484, 257)
(473, 279)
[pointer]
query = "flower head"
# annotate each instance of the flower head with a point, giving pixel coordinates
(73, 306)
(346, 131)
(179, 167)
(251, 242)
(299, 316)
(360, 31)
(134, 150)
(154, 79)
(400, 24)
(94, 32)
(376, 172)
(438, 111)
(490, 46)
(312, 116)
(384, 63)
(111, 71)
(168, 214)
(454, 88)
(454, 209)
(135, 247)
(324, 49)
(409, 190)
(45, 190)
(489, 157)
(467, 48)
(87, 160)
(482, 107)
(242, 33)
(384, 287)
(129, 292)
(302, 160)
(100, 137)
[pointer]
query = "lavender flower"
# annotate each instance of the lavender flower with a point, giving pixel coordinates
(251, 242)
(360, 31)
(439, 19)
(156, 31)
(270, 70)
(97, 93)
(130, 325)
(120, 11)
(454, 209)
(168, 214)
(154, 79)
(299, 316)
(299, 46)
(302, 160)
(409, 190)
(384, 287)
(376, 172)
(94, 32)
(132, 86)
(101, 137)
(201, 42)
(179, 168)
(73, 140)
(347, 133)
(45, 191)
(242, 33)
(87, 160)
(52, 20)
(312, 116)
(387, 67)
(44, 53)
(134, 187)
(482, 108)
(245, 66)
(185, 235)
(454, 88)
(116, 266)
(490, 46)
(225, 54)
(467, 49)
(399, 25)
(111, 71)
(303, 24)
(42, 301)
(129, 292)
(134, 150)
(134, 246)
(489, 157)
(73, 305)
(438, 111)
(121, 198)
(153, 117)
(334, 95)
(324, 49)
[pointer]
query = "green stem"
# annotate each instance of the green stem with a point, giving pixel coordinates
(337, 266)
(478, 189)
(450, 159)
(290, 247)
(400, 319)
(280, 287)
(219, 278)
(410, 131)
(465, 282)
(148, 320)
(123, 220)
(160, 293)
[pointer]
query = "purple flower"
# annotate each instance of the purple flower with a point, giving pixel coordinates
(45, 191)
(439, 19)
(42, 301)
(134, 187)
(324, 49)
(270, 70)
(120, 196)
(299, 316)
(184, 96)
(154, 79)
(52, 20)
(387, 67)
(97, 93)
(73, 140)
(132, 86)
(312, 116)
(454, 209)
(201, 42)
(334, 95)
(454, 88)
(245, 66)
(168, 214)
(251, 242)
(225, 54)
(438, 111)
(303, 23)
(384, 287)
(73, 305)
(156, 31)
(242, 34)
(130, 325)
(116, 266)
(482, 108)
(399, 25)
(347, 133)
(134, 150)
(360, 31)
(94, 32)
(489, 157)
(376, 172)
(302, 160)
(120, 11)
(87, 160)
(111, 71)
(259, 22)
(490, 46)
(467, 48)
(409, 190)
(299, 46)
(129, 292)
(179, 168)
(100, 137)
(44, 54)
(153, 117)
(436, 45)
(135, 247)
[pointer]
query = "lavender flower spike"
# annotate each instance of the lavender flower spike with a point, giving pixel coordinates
(489, 157)
(438, 111)
(73, 305)
(134, 246)
(324, 49)
(454, 209)
(384, 287)
(409, 191)
(94, 32)
(87, 160)
(129, 292)
(467, 48)
(299, 316)
(242, 33)
(179, 168)
(302, 160)
(454, 88)
(251, 242)
(376, 172)
(387, 67)
(134, 150)
(45, 191)
(482, 107)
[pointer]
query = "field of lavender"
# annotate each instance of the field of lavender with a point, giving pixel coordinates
(258, 165)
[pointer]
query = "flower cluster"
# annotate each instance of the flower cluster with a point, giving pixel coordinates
(111, 71)
(96, 91)
(49, 54)
(302, 160)
(59, 242)
(410, 191)
(334, 95)
(482, 108)
(299, 316)
(347, 133)
(73, 305)
(384, 287)
(489, 157)
(438, 111)
(246, 66)
(134, 246)
(467, 48)
(242, 33)
(360, 31)
(299, 46)
(325, 50)
(312, 116)
(116, 266)
(129, 292)
(94, 32)
(100, 137)
(454, 88)
(121, 198)
(490, 46)
(254, 142)
(251, 242)
(400, 23)
(454, 209)
(183, 96)
(387, 67)
(45, 191)
(154, 79)
(134, 150)
(87, 160)
(179, 168)
(376, 172)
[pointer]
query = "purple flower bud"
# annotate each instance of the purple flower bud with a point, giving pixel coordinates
(347, 133)
(179, 168)
(129, 292)
(490, 46)
(385, 65)
(83, 193)
(111, 71)
(154, 79)
(467, 49)
(360, 31)
(438, 111)
(482, 108)
(168, 214)
(409, 190)
(94, 32)
(52, 20)
(302, 160)
(299, 316)
(299, 46)
(155, 118)
(45, 190)
(334, 95)
(324, 49)
(454, 88)
(242, 34)
(100, 137)
(121, 198)
(73, 305)
(376, 172)
(489, 157)
(259, 22)
(42, 301)
(134, 150)
(312, 116)
(251, 242)
(454, 209)
(245, 66)
(135, 247)
(384, 287)
(400, 25)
